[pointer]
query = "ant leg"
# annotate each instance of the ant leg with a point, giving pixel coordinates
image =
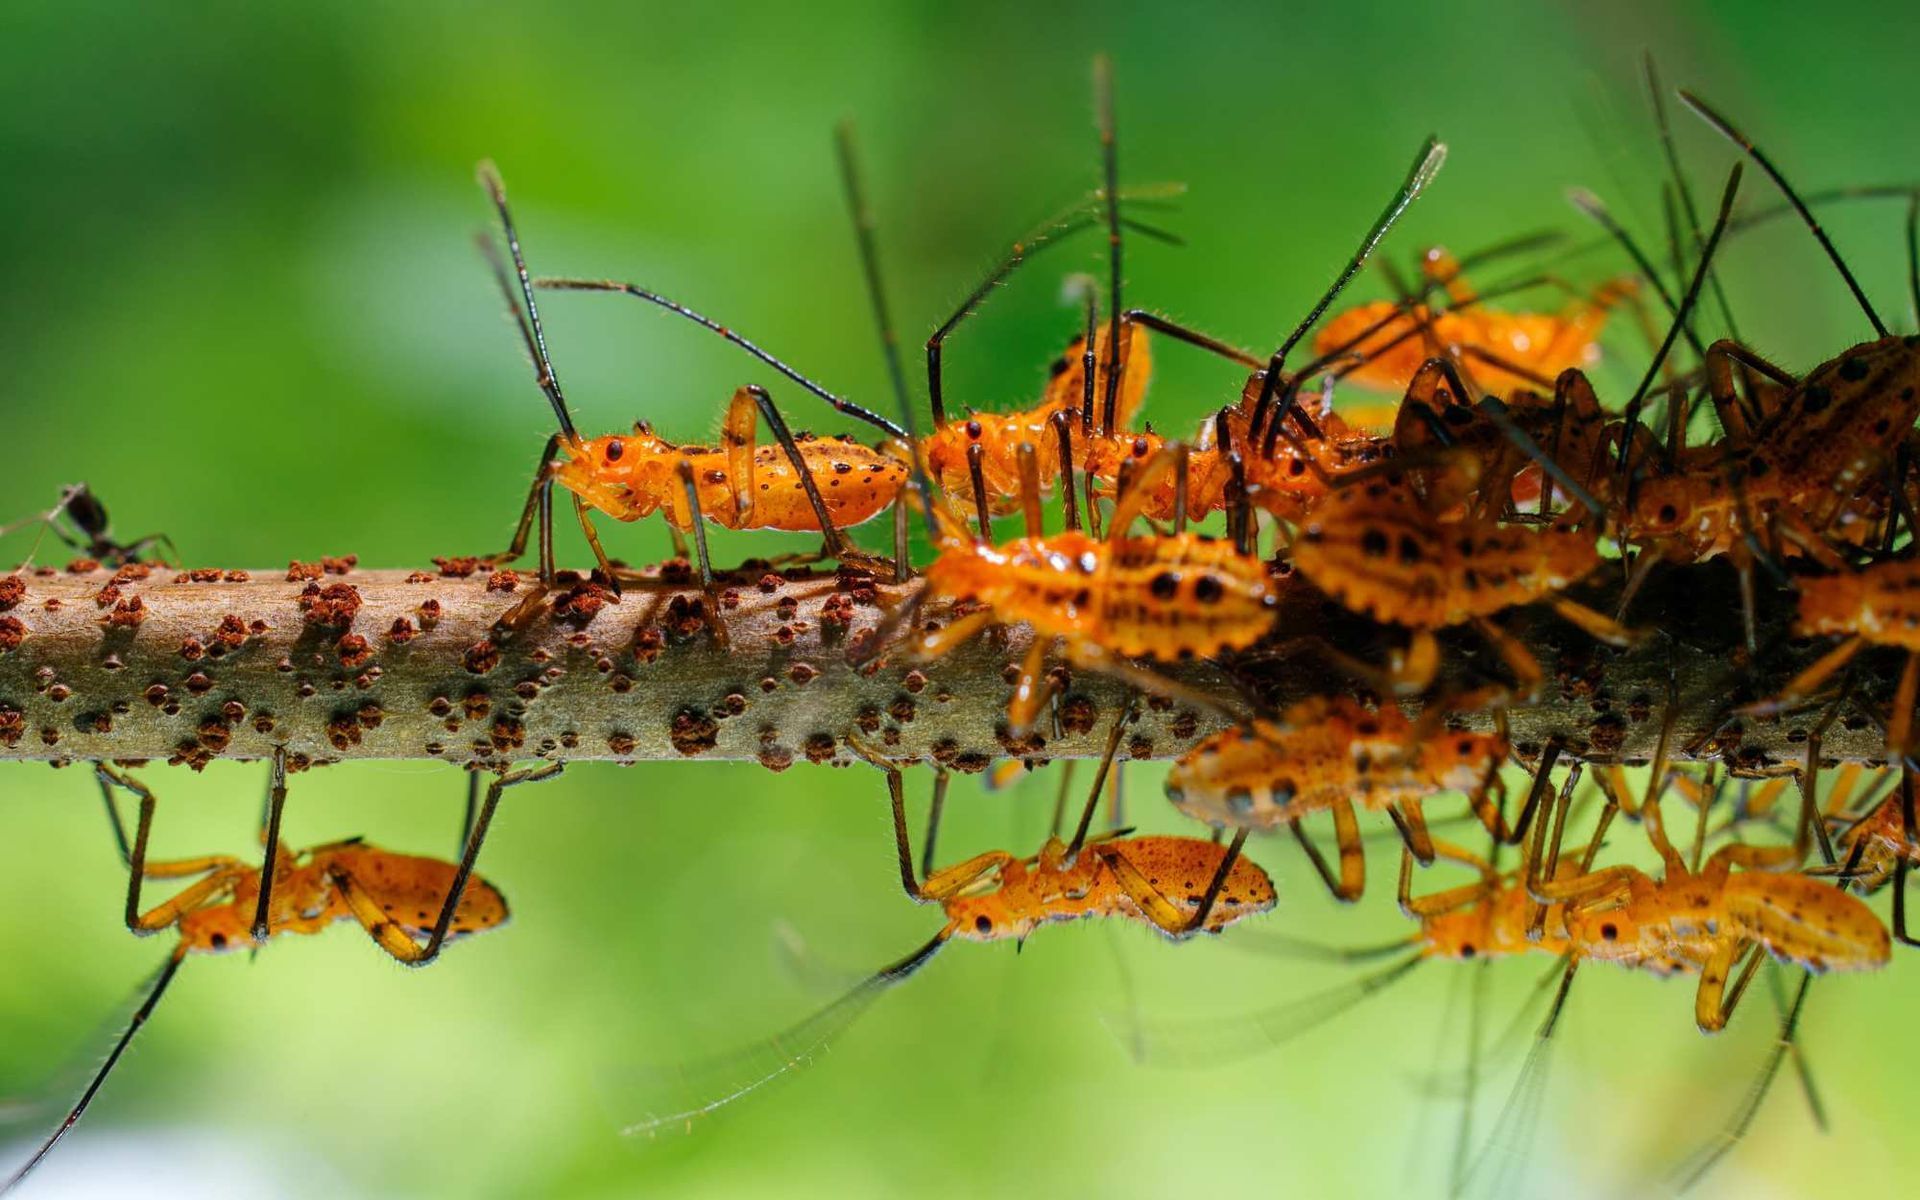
(1199, 919)
(1060, 797)
(482, 822)
(270, 835)
(1596, 625)
(902, 558)
(698, 520)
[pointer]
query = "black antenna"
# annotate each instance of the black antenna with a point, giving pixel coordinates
(138, 1019)
(1433, 153)
(863, 230)
(1110, 164)
(529, 322)
(1593, 207)
(1739, 139)
(1680, 315)
(1913, 253)
(1687, 206)
(841, 405)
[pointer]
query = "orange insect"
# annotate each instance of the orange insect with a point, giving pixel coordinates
(1392, 340)
(1326, 754)
(1379, 549)
(806, 483)
(1879, 846)
(1876, 605)
(1160, 882)
(1489, 919)
(1715, 917)
(395, 898)
(1108, 600)
(1804, 457)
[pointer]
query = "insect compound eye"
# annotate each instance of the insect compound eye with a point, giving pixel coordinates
(615, 449)
(1467, 950)
(1165, 586)
(983, 923)
(1669, 514)
(1610, 931)
(1207, 589)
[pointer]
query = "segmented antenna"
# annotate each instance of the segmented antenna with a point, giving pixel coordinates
(155, 990)
(1110, 165)
(863, 230)
(841, 405)
(1679, 316)
(1427, 164)
(529, 321)
(1687, 207)
(1726, 130)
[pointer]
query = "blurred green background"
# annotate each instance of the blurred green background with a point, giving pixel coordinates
(244, 305)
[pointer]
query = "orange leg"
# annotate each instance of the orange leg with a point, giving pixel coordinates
(1032, 690)
(1714, 1003)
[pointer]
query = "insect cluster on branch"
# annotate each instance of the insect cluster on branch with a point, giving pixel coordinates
(1502, 480)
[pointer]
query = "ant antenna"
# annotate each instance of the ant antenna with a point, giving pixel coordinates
(529, 321)
(863, 230)
(139, 1018)
(1687, 206)
(1110, 164)
(1427, 164)
(1726, 130)
(1680, 314)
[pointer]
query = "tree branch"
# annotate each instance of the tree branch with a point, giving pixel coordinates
(391, 664)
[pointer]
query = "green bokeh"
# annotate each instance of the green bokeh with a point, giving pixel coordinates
(247, 310)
